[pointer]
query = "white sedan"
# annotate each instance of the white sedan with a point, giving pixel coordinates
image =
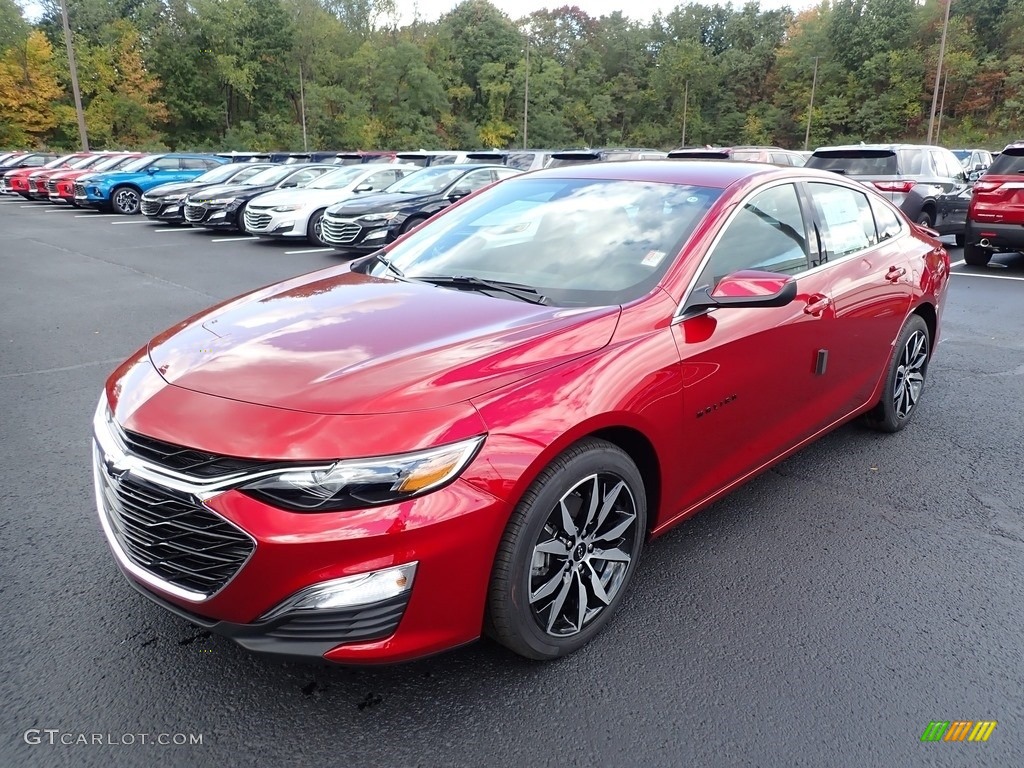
(297, 213)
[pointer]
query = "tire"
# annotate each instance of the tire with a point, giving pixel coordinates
(314, 231)
(125, 200)
(925, 219)
(976, 256)
(411, 224)
(960, 240)
(905, 378)
(535, 595)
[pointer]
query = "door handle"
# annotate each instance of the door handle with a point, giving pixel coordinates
(895, 273)
(816, 304)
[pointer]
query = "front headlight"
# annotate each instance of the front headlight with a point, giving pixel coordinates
(361, 483)
(286, 208)
(377, 217)
(174, 198)
(220, 201)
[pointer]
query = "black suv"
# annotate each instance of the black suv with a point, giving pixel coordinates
(927, 183)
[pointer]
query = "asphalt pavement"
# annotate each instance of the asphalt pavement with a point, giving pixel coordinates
(822, 615)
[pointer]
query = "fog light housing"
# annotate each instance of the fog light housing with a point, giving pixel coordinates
(376, 234)
(348, 592)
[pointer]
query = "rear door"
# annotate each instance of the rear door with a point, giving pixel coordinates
(872, 286)
(953, 192)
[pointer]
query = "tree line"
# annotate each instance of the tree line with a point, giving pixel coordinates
(233, 74)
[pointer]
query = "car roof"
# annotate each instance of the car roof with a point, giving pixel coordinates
(852, 147)
(713, 173)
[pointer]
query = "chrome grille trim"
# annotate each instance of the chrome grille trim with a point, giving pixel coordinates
(340, 231)
(257, 221)
(194, 213)
(150, 207)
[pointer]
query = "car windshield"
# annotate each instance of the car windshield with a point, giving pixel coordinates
(336, 179)
(856, 162)
(140, 163)
(58, 162)
(270, 176)
(962, 154)
(219, 173)
(84, 162)
(428, 181)
(577, 242)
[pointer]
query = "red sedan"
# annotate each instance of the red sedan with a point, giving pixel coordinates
(477, 429)
(19, 180)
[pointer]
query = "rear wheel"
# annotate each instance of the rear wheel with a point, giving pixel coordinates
(975, 255)
(904, 381)
(411, 224)
(125, 200)
(925, 218)
(960, 240)
(569, 552)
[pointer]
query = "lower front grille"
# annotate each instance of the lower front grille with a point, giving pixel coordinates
(257, 221)
(172, 536)
(51, 187)
(349, 625)
(340, 231)
(79, 189)
(150, 207)
(194, 213)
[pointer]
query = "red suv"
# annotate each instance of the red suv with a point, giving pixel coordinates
(995, 218)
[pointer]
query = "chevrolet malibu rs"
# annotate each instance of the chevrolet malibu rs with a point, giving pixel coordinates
(478, 429)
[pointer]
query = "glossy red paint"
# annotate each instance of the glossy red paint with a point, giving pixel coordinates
(340, 365)
(66, 179)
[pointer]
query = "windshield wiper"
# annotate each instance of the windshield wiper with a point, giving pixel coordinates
(519, 291)
(388, 265)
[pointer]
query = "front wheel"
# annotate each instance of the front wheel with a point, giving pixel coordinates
(125, 200)
(925, 219)
(315, 229)
(905, 379)
(569, 551)
(411, 224)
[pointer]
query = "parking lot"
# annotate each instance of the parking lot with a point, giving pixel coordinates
(822, 615)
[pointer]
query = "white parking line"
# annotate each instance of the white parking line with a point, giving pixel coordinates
(93, 215)
(990, 277)
(122, 223)
(172, 229)
(957, 263)
(310, 250)
(232, 239)
(58, 210)
(30, 206)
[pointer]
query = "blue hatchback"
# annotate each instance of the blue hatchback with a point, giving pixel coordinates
(121, 190)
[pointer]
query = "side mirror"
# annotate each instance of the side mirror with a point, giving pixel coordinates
(152, 169)
(363, 188)
(747, 288)
(458, 193)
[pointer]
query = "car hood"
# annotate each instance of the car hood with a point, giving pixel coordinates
(338, 342)
(304, 197)
(234, 190)
(377, 204)
(176, 188)
(116, 177)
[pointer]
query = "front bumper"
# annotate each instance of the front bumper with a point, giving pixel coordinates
(267, 222)
(1001, 236)
(163, 210)
(94, 197)
(211, 217)
(451, 535)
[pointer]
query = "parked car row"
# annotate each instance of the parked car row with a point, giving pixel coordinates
(359, 201)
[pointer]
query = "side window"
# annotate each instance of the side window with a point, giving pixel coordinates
(888, 223)
(167, 164)
(505, 173)
(912, 161)
(781, 158)
(302, 178)
(382, 180)
(847, 224)
(474, 181)
(952, 165)
(209, 162)
(768, 234)
(193, 164)
(444, 160)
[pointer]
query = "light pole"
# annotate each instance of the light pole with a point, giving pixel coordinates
(302, 102)
(938, 71)
(686, 104)
(810, 107)
(526, 91)
(83, 134)
(942, 107)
